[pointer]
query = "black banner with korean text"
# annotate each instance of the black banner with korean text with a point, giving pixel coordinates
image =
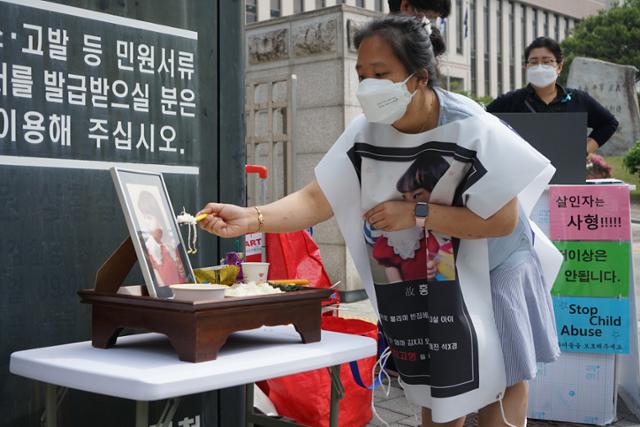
(76, 84)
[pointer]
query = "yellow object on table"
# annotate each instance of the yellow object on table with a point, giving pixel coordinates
(220, 274)
(290, 282)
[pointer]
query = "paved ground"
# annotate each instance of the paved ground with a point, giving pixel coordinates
(398, 412)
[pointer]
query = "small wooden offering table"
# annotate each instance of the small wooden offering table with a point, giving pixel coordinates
(196, 330)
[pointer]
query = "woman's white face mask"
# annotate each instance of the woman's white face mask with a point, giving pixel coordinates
(384, 101)
(542, 75)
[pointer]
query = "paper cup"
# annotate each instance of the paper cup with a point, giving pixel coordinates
(255, 271)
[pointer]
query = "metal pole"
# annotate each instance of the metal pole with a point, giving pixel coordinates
(142, 413)
(51, 405)
(248, 403)
(337, 392)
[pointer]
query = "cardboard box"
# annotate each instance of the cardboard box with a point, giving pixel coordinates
(578, 387)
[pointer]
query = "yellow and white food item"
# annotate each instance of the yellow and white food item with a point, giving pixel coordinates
(251, 289)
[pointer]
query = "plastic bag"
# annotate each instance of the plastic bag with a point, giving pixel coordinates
(296, 256)
(306, 397)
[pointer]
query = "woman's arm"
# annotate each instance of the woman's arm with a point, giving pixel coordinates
(453, 221)
(294, 212)
(603, 123)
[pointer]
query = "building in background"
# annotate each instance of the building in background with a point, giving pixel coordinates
(485, 38)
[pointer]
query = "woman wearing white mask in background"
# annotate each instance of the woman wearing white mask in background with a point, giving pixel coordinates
(543, 64)
(471, 340)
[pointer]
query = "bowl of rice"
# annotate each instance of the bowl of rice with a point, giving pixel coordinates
(198, 292)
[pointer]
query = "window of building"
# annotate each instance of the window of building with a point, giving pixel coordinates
(567, 30)
(379, 5)
(360, 3)
(499, 44)
(557, 29)
(275, 8)
(546, 24)
(474, 46)
(534, 12)
(523, 25)
(512, 45)
(251, 11)
(460, 28)
(298, 6)
(320, 4)
(487, 48)
(340, 1)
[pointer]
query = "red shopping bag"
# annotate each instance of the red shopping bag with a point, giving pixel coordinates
(296, 256)
(305, 397)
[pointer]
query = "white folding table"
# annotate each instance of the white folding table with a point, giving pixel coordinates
(145, 368)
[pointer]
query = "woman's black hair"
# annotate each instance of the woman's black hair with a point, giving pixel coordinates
(410, 41)
(547, 43)
(424, 172)
(441, 7)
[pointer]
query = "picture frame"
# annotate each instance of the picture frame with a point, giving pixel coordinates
(154, 231)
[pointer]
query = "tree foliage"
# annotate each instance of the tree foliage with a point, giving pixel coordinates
(613, 35)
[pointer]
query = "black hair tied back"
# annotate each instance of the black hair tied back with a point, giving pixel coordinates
(415, 42)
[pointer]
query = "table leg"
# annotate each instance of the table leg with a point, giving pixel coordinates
(142, 413)
(337, 391)
(51, 405)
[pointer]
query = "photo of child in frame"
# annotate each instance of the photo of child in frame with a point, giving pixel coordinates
(153, 229)
(161, 247)
(415, 253)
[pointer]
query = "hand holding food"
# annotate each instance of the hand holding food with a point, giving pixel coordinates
(226, 220)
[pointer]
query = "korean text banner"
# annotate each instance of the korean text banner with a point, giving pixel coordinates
(594, 269)
(82, 85)
(592, 325)
(589, 212)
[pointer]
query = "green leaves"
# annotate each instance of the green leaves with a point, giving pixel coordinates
(613, 35)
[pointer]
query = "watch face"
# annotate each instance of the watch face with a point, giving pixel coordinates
(421, 210)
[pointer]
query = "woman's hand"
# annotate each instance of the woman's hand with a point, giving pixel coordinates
(228, 220)
(392, 216)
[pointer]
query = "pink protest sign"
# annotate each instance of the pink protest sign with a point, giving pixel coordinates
(589, 212)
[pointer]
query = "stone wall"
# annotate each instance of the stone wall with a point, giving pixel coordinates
(614, 87)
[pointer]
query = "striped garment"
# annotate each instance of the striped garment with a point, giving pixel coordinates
(523, 311)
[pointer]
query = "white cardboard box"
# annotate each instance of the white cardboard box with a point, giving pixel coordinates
(578, 387)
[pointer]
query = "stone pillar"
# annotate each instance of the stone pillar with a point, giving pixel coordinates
(480, 48)
(614, 87)
(287, 7)
(505, 84)
(518, 47)
(264, 9)
(529, 23)
(493, 49)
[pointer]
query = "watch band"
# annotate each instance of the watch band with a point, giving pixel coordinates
(421, 213)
